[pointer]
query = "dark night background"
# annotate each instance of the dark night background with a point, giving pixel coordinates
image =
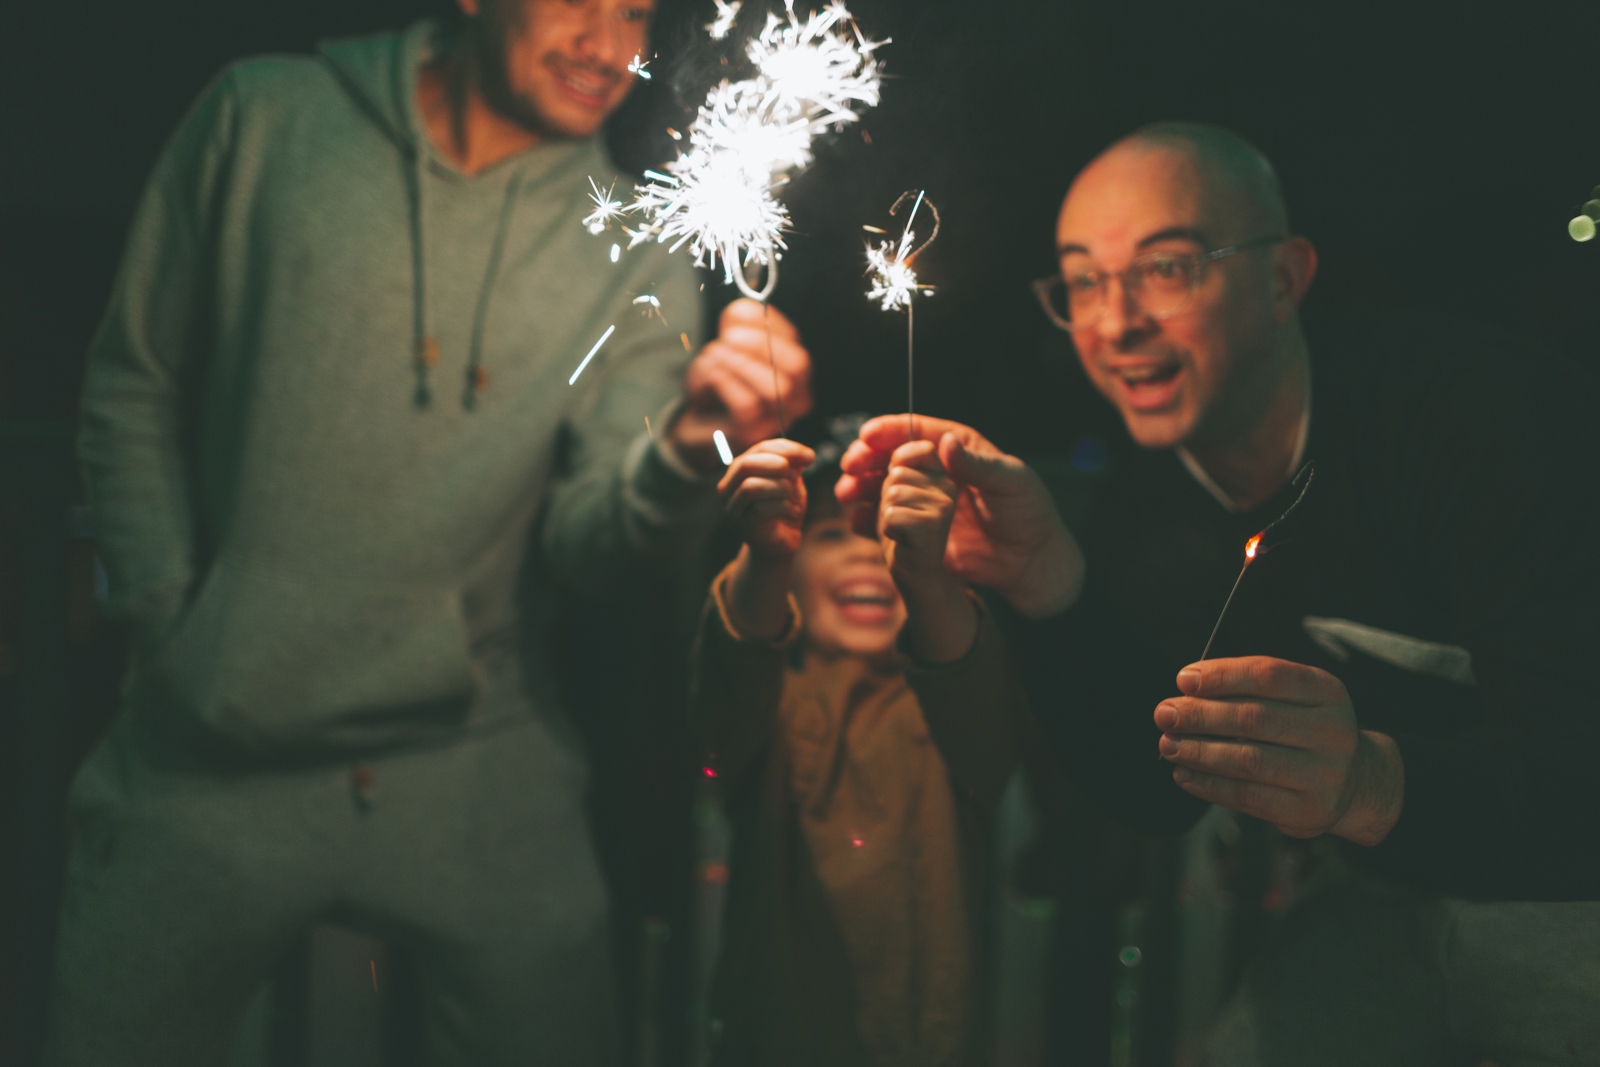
(1434, 154)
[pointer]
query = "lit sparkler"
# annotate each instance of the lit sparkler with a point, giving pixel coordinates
(1256, 547)
(718, 197)
(638, 65)
(722, 447)
(895, 285)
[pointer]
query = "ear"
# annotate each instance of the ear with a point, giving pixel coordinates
(1294, 265)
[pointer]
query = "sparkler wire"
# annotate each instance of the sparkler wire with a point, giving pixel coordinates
(1257, 546)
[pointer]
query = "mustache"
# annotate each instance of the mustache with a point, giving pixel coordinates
(605, 72)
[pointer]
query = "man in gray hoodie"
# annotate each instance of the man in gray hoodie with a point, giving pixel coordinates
(327, 428)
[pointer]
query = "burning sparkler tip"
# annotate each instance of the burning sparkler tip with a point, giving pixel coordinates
(722, 447)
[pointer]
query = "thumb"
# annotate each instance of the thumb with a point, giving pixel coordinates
(971, 468)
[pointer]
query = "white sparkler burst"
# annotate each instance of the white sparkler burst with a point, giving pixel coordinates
(719, 196)
(605, 209)
(638, 65)
(894, 283)
(726, 12)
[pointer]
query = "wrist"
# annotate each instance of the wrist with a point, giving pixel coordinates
(1052, 580)
(1378, 782)
(758, 593)
(941, 619)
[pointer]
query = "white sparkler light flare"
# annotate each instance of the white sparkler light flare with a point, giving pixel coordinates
(726, 12)
(637, 65)
(603, 339)
(722, 447)
(894, 282)
(605, 209)
(719, 196)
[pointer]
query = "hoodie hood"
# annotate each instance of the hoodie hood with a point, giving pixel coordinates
(380, 74)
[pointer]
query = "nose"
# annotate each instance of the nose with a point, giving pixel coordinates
(600, 38)
(1122, 317)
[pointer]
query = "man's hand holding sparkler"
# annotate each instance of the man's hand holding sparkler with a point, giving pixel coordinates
(917, 505)
(1280, 741)
(732, 385)
(765, 496)
(1005, 534)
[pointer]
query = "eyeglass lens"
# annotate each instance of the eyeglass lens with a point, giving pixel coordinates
(1161, 283)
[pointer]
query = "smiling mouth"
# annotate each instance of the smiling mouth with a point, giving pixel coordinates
(583, 83)
(1152, 374)
(865, 594)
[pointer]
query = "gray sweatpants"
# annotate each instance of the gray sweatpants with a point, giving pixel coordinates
(1364, 972)
(186, 886)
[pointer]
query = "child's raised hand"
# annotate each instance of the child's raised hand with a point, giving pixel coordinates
(915, 509)
(766, 497)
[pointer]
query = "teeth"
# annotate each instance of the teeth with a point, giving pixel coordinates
(1146, 374)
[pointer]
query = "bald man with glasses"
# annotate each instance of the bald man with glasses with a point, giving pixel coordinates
(1403, 670)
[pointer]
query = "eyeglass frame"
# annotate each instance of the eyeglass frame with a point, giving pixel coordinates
(1042, 286)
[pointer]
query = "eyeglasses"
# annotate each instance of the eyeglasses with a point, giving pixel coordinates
(1161, 283)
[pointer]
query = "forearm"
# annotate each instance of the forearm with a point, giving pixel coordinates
(941, 619)
(758, 595)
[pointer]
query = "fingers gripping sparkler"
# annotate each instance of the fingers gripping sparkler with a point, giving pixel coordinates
(1258, 546)
(895, 285)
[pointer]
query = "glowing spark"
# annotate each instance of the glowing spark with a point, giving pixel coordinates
(637, 67)
(616, 253)
(874, 229)
(894, 283)
(647, 428)
(722, 447)
(718, 196)
(603, 339)
(655, 307)
(727, 11)
(1256, 546)
(605, 209)
(684, 337)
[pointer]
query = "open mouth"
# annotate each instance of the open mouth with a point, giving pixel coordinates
(867, 601)
(1149, 385)
(586, 87)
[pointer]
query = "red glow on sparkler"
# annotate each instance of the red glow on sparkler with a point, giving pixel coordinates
(1250, 547)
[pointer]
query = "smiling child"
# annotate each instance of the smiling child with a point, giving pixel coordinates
(860, 708)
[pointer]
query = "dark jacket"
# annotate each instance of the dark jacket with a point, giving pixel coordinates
(860, 795)
(1442, 566)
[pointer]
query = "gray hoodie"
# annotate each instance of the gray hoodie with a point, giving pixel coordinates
(314, 557)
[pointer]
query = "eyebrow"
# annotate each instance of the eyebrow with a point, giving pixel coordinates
(1171, 233)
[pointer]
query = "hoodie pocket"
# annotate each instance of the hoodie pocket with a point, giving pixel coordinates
(271, 657)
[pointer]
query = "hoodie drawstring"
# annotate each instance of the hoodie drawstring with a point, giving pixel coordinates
(427, 346)
(477, 377)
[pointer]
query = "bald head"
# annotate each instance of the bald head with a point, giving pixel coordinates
(1236, 185)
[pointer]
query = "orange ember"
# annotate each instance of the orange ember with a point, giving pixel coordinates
(1250, 547)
